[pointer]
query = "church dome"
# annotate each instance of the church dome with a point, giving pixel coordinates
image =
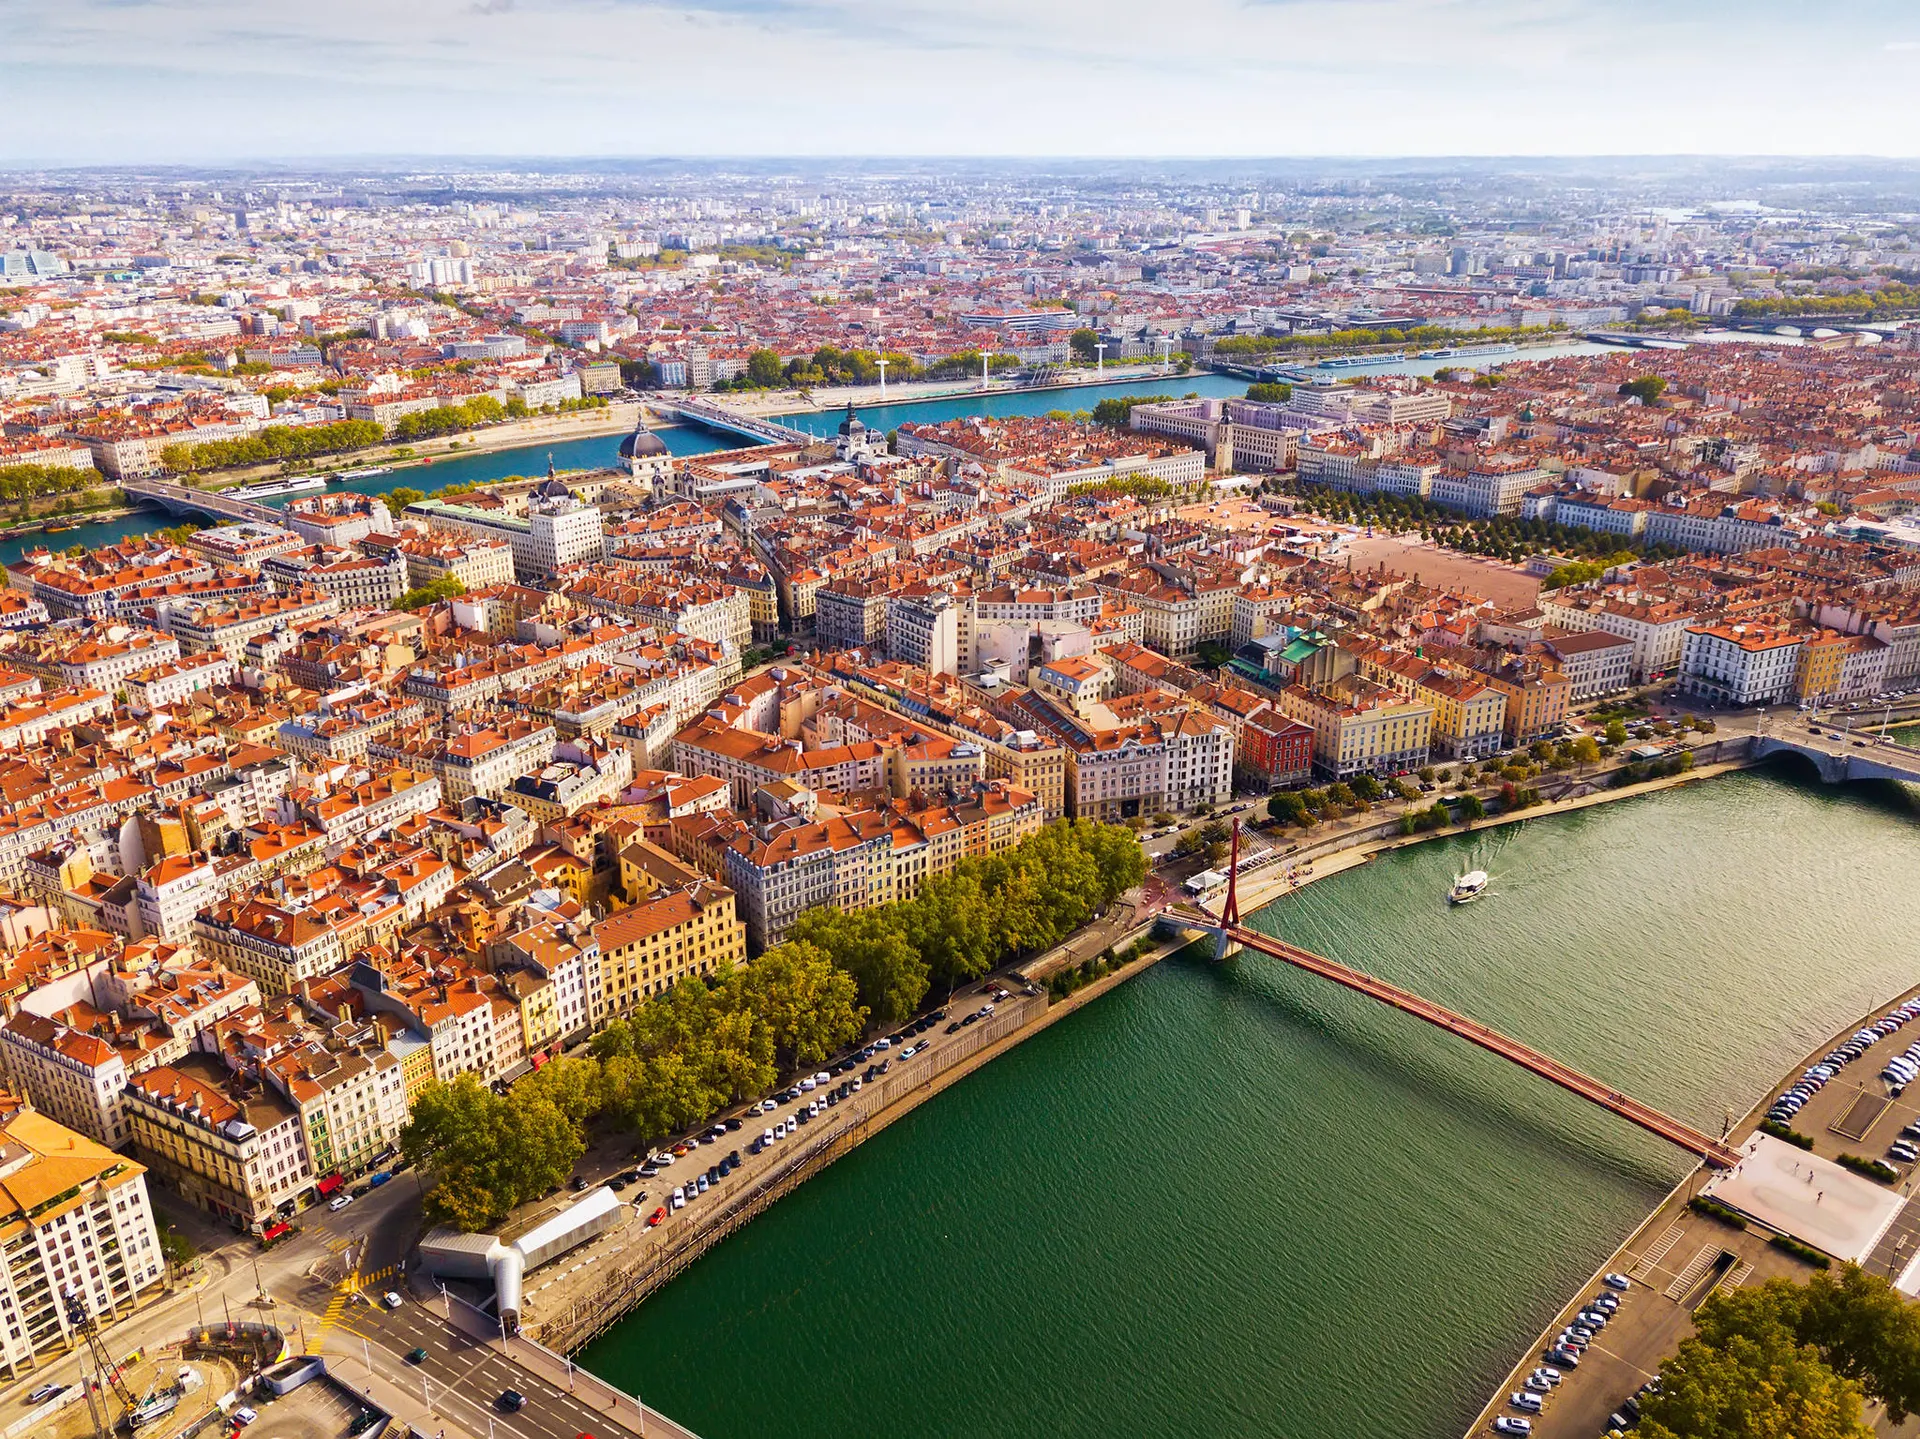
(642, 444)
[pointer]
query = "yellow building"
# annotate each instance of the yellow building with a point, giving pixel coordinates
(1468, 716)
(667, 937)
(539, 1003)
(1360, 727)
(1823, 660)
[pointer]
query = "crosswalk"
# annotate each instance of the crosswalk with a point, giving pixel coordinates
(333, 1315)
(349, 1292)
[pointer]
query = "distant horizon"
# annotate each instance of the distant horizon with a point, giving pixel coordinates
(209, 82)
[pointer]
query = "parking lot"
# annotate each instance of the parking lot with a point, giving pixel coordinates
(1679, 1258)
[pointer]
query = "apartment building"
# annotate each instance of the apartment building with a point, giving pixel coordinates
(276, 947)
(777, 871)
(555, 532)
(1537, 693)
(688, 932)
(478, 760)
(1657, 629)
(1596, 664)
(223, 1145)
(351, 1103)
(1742, 664)
(1469, 716)
(1360, 727)
(75, 1218)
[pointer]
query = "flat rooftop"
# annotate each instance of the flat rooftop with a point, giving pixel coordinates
(1816, 1201)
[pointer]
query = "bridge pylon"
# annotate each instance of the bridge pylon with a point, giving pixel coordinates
(1230, 909)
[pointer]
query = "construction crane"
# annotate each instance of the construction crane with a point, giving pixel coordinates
(82, 1320)
(135, 1412)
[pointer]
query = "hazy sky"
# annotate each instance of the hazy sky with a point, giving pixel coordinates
(110, 80)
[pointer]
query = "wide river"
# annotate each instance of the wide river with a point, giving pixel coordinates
(1237, 1200)
(599, 451)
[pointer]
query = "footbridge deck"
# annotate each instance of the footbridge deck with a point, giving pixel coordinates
(1715, 1152)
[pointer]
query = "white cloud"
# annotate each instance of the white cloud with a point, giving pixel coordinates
(193, 79)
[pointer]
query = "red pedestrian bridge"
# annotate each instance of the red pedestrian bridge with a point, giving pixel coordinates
(1228, 930)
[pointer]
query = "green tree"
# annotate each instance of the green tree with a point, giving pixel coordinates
(486, 1153)
(399, 498)
(1760, 1385)
(868, 944)
(764, 371)
(807, 1005)
(1288, 808)
(1084, 343)
(1271, 394)
(1616, 733)
(1646, 388)
(433, 591)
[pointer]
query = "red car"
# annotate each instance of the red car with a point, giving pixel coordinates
(657, 1215)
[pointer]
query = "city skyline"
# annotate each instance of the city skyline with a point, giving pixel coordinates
(154, 78)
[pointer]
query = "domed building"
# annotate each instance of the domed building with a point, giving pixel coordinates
(647, 458)
(855, 441)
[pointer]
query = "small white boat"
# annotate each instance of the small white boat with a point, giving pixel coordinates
(368, 473)
(1469, 887)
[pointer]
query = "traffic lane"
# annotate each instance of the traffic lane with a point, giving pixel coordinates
(464, 1377)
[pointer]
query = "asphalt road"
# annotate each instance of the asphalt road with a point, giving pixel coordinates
(461, 1377)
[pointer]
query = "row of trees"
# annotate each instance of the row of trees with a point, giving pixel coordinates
(274, 443)
(985, 912)
(702, 1046)
(1349, 339)
(671, 1065)
(33, 482)
(1581, 572)
(831, 365)
(451, 419)
(400, 496)
(1141, 487)
(1118, 410)
(1887, 299)
(1503, 537)
(1790, 1359)
(433, 591)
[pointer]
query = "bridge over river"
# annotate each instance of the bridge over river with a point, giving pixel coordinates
(181, 500)
(1841, 755)
(1229, 933)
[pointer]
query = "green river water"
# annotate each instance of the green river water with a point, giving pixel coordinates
(1239, 1201)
